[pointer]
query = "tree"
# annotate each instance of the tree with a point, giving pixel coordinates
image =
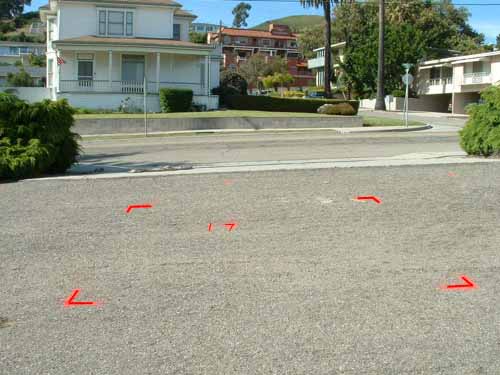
(380, 101)
(310, 39)
(498, 41)
(21, 79)
(258, 66)
(37, 60)
(241, 13)
(199, 38)
(281, 79)
(327, 10)
(12, 8)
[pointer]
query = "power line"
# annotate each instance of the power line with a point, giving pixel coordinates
(366, 2)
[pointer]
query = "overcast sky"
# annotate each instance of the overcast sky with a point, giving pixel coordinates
(484, 18)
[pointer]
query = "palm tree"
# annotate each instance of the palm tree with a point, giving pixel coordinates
(327, 9)
(380, 101)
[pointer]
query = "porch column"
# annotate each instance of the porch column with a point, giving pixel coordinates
(110, 69)
(207, 82)
(158, 58)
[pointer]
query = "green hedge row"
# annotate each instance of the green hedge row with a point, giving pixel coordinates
(481, 134)
(35, 139)
(176, 100)
(268, 103)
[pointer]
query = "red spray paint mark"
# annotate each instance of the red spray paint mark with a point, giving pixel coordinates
(369, 197)
(210, 227)
(71, 300)
(230, 226)
(228, 182)
(451, 174)
(132, 207)
(468, 284)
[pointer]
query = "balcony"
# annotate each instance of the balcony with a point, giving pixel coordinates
(125, 87)
(443, 85)
(318, 62)
(477, 78)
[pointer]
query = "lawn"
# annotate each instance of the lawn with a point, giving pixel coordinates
(379, 121)
(210, 114)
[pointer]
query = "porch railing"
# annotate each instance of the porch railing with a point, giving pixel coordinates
(125, 87)
(476, 78)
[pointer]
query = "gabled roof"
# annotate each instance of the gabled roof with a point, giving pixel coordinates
(461, 59)
(171, 3)
(184, 13)
(8, 43)
(135, 42)
(229, 31)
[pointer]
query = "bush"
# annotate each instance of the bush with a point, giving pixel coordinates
(176, 100)
(21, 79)
(35, 138)
(224, 92)
(481, 134)
(293, 94)
(234, 80)
(398, 93)
(343, 109)
(267, 103)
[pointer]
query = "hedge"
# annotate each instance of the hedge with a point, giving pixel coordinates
(176, 100)
(481, 134)
(35, 139)
(268, 103)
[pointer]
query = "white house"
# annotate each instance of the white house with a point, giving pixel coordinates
(318, 63)
(101, 52)
(457, 81)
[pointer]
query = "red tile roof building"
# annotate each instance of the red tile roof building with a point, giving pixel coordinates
(239, 44)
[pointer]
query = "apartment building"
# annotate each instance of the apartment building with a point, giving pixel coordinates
(317, 64)
(11, 52)
(239, 44)
(454, 82)
(200, 27)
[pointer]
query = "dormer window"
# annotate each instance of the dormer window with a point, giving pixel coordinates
(116, 23)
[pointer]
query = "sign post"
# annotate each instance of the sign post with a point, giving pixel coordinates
(145, 108)
(407, 80)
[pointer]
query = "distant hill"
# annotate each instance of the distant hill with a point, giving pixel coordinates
(296, 23)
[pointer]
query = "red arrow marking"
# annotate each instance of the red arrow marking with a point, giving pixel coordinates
(71, 300)
(468, 284)
(370, 197)
(130, 208)
(231, 226)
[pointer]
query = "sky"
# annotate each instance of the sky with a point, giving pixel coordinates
(484, 18)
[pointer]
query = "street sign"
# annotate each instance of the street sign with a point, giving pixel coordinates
(407, 79)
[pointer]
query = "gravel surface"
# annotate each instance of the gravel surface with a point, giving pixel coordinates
(309, 282)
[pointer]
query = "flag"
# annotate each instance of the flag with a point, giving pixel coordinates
(60, 61)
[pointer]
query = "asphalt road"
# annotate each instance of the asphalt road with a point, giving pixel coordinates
(309, 282)
(160, 152)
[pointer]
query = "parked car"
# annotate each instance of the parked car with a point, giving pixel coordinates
(315, 95)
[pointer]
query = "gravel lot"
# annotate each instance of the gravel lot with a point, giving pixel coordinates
(309, 282)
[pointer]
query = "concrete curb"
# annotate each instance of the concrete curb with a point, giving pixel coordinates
(236, 131)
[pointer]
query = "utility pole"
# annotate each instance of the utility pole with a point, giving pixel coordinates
(380, 101)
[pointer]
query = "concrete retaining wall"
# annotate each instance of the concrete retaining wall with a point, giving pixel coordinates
(426, 103)
(136, 125)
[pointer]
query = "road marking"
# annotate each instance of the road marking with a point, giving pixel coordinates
(133, 207)
(70, 301)
(369, 197)
(468, 284)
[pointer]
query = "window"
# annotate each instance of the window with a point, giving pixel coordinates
(202, 74)
(130, 25)
(177, 31)
(435, 73)
(85, 67)
(115, 23)
(266, 42)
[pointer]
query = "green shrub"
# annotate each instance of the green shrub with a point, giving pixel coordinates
(343, 109)
(35, 138)
(293, 94)
(398, 93)
(176, 100)
(481, 134)
(234, 80)
(267, 103)
(21, 79)
(224, 92)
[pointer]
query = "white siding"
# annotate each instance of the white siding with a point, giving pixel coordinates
(154, 23)
(77, 20)
(185, 24)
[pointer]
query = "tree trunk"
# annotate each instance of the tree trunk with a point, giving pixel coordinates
(380, 102)
(328, 49)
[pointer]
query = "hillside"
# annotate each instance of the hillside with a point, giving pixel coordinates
(296, 23)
